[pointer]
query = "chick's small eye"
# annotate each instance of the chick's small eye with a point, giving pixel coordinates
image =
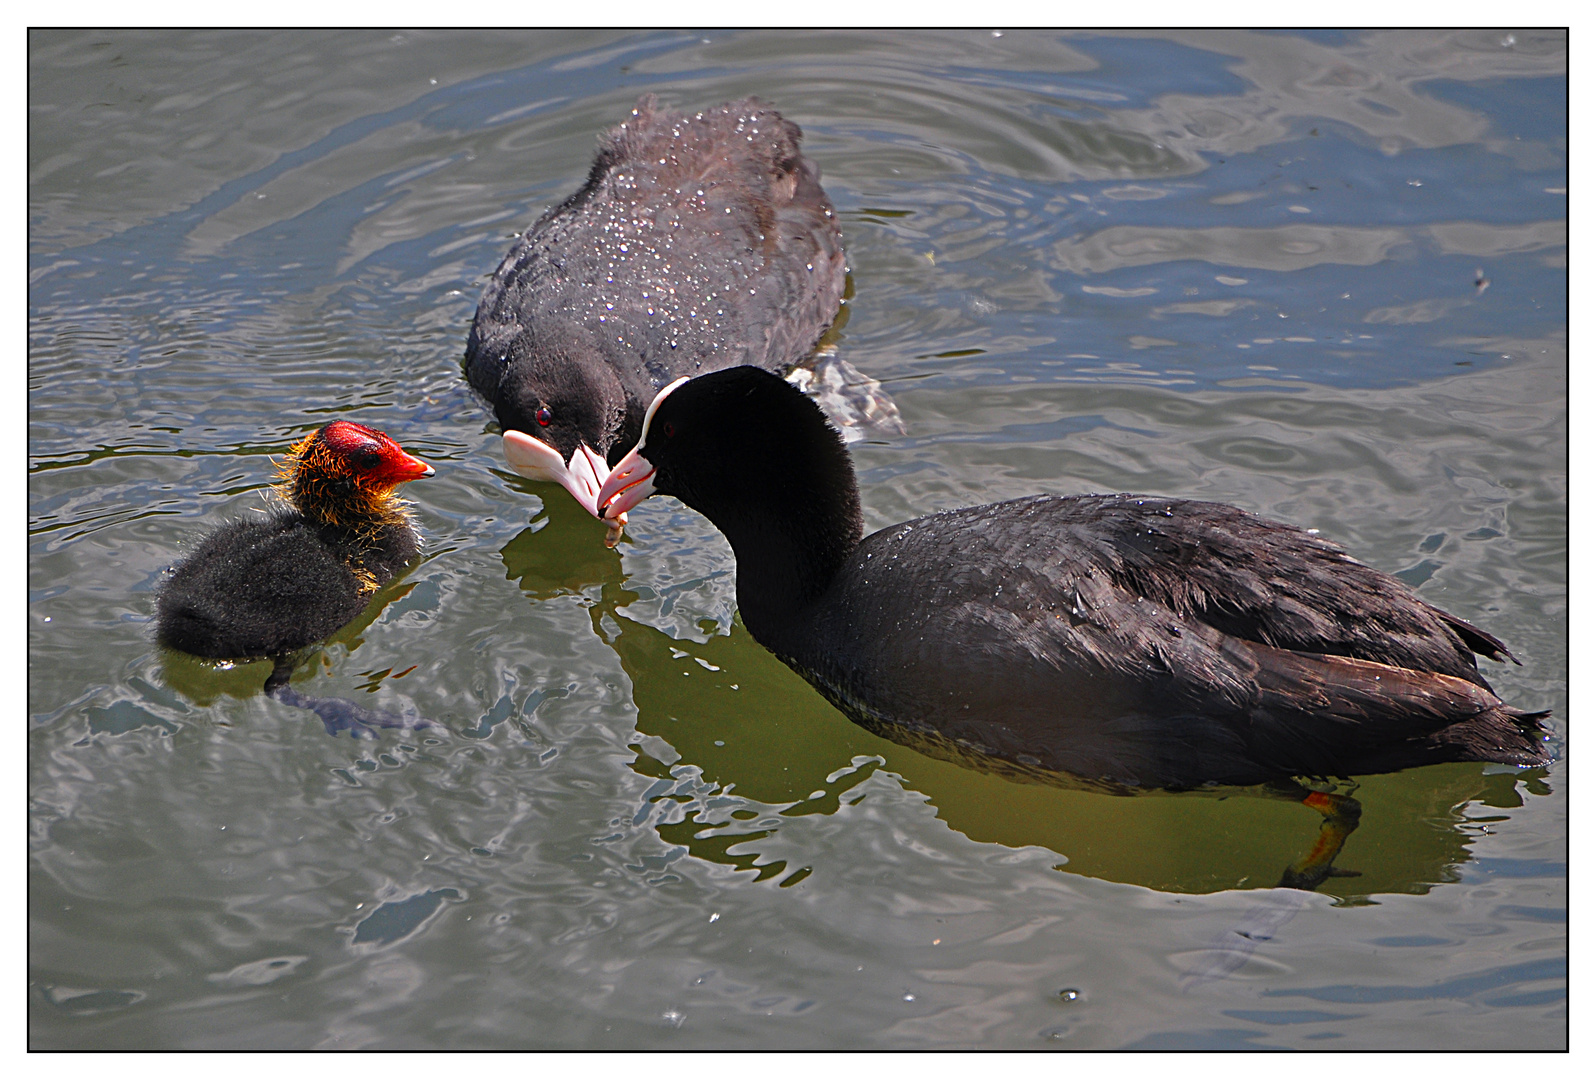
(669, 429)
(543, 415)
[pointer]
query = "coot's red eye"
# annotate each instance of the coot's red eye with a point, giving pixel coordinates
(543, 416)
(669, 429)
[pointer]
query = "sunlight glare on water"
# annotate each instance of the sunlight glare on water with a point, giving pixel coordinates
(1321, 276)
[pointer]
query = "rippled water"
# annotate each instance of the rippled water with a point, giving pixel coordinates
(1322, 276)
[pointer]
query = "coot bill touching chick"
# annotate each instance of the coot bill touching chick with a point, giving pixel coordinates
(1128, 640)
(699, 242)
(271, 586)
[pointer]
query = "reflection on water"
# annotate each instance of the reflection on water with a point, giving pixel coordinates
(722, 714)
(1320, 275)
(203, 681)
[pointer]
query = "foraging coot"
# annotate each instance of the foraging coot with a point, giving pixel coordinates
(699, 242)
(1124, 639)
(273, 586)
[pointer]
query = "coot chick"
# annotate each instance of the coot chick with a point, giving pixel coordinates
(699, 242)
(273, 586)
(1129, 640)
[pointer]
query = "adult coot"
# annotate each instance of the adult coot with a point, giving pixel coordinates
(1124, 639)
(273, 586)
(698, 243)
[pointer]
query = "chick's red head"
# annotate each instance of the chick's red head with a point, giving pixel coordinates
(350, 451)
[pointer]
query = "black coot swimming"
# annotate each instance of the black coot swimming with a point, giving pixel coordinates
(699, 242)
(1129, 640)
(273, 586)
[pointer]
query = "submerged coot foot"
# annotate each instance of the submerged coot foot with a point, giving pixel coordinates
(338, 715)
(271, 587)
(1124, 639)
(699, 242)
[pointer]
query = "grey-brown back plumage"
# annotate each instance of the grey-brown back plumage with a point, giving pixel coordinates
(699, 241)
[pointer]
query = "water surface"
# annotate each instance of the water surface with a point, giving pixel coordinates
(1320, 276)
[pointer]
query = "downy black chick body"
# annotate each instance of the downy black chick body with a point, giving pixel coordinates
(272, 586)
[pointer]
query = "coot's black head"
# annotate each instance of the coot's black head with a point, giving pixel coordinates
(749, 451)
(562, 408)
(345, 473)
(564, 396)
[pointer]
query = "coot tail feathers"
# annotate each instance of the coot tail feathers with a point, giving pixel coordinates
(1478, 640)
(1338, 716)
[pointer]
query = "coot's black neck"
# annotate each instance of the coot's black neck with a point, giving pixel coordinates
(755, 456)
(788, 554)
(789, 505)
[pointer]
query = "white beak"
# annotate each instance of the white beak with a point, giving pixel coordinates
(583, 476)
(630, 483)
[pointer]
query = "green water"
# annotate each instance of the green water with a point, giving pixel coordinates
(1242, 267)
